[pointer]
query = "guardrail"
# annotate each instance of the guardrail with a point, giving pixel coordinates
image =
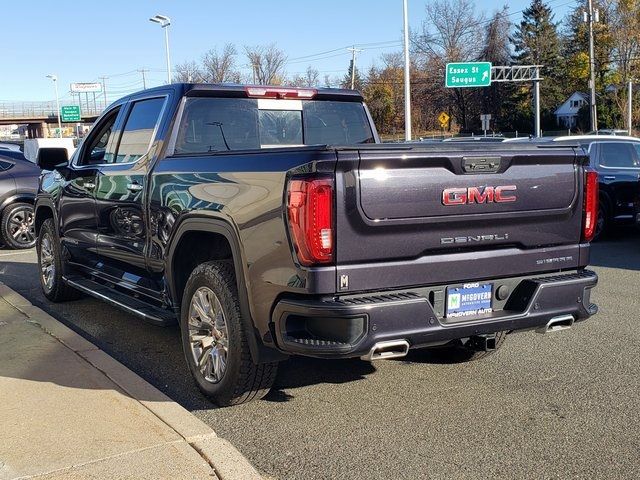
(19, 110)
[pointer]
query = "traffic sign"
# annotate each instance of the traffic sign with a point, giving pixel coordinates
(70, 113)
(486, 121)
(86, 87)
(468, 74)
(443, 118)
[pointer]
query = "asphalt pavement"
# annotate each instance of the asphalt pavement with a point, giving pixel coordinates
(563, 405)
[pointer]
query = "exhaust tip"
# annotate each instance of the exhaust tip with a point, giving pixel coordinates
(387, 350)
(557, 324)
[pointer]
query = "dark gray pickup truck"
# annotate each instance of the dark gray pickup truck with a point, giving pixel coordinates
(231, 210)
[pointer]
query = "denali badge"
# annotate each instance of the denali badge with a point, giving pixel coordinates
(474, 239)
(463, 196)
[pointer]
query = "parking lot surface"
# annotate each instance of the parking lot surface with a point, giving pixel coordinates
(556, 406)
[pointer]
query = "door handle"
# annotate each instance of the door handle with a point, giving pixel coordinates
(89, 185)
(609, 177)
(134, 187)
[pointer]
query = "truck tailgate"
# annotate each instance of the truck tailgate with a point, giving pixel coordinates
(427, 214)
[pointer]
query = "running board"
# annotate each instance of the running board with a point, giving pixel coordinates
(148, 313)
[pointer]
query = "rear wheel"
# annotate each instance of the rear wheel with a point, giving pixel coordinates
(17, 226)
(50, 265)
(464, 350)
(603, 221)
(214, 338)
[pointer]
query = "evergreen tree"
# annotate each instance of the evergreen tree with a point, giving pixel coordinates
(536, 42)
(346, 81)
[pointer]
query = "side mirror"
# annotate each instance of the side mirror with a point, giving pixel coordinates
(50, 158)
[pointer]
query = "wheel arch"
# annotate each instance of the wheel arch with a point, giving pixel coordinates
(43, 210)
(17, 198)
(223, 232)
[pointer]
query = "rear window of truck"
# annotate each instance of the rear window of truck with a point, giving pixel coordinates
(222, 124)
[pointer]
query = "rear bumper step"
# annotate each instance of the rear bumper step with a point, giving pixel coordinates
(360, 327)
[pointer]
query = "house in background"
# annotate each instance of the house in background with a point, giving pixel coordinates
(567, 113)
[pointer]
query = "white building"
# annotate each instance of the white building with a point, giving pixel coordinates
(567, 113)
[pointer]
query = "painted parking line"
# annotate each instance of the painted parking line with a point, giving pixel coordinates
(15, 253)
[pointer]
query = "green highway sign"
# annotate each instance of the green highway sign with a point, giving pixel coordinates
(70, 113)
(468, 74)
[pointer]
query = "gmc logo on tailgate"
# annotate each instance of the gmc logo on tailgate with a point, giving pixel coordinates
(464, 196)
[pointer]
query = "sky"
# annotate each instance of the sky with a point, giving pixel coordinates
(82, 41)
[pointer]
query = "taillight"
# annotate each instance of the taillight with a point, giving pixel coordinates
(590, 209)
(281, 92)
(310, 211)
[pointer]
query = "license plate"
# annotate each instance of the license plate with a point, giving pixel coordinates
(469, 300)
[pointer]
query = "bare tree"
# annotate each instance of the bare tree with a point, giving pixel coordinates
(311, 78)
(267, 63)
(452, 32)
(187, 72)
(221, 67)
(624, 17)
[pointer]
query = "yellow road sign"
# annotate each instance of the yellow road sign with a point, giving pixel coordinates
(443, 118)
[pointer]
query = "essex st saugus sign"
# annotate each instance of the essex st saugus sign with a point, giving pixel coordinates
(468, 74)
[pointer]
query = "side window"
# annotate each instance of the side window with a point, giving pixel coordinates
(618, 155)
(218, 124)
(95, 151)
(5, 165)
(138, 130)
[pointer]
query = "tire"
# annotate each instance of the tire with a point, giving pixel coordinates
(17, 227)
(218, 357)
(459, 351)
(603, 222)
(50, 260)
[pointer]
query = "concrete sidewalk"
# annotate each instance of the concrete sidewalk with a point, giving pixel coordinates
(68, 410)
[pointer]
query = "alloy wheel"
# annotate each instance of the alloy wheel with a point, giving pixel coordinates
(47, 261)
(21, 226)
(208, 335)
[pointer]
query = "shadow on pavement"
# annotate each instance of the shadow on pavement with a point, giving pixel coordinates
(620, 248)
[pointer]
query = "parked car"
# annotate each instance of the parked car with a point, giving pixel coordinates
(18, 188)
(9, 146)
(269, 222)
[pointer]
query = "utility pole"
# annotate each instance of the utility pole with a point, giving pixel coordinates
(407, 77)
(592, 16)
(144, 79)
(353, 51)
(104, 89)
(630, 109)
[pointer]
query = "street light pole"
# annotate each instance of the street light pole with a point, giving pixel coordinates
(164, 22)
(407, 77)
(54, 78)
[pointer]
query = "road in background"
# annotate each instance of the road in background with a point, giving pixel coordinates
(561, 405)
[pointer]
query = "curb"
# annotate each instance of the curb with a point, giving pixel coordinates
(226, 460)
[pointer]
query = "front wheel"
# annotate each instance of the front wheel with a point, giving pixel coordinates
(214, 338)
(50, 265)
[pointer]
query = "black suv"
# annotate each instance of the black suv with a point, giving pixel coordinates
(18, 188)
(617, 161)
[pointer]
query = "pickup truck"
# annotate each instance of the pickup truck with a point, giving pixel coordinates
(271, 222)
